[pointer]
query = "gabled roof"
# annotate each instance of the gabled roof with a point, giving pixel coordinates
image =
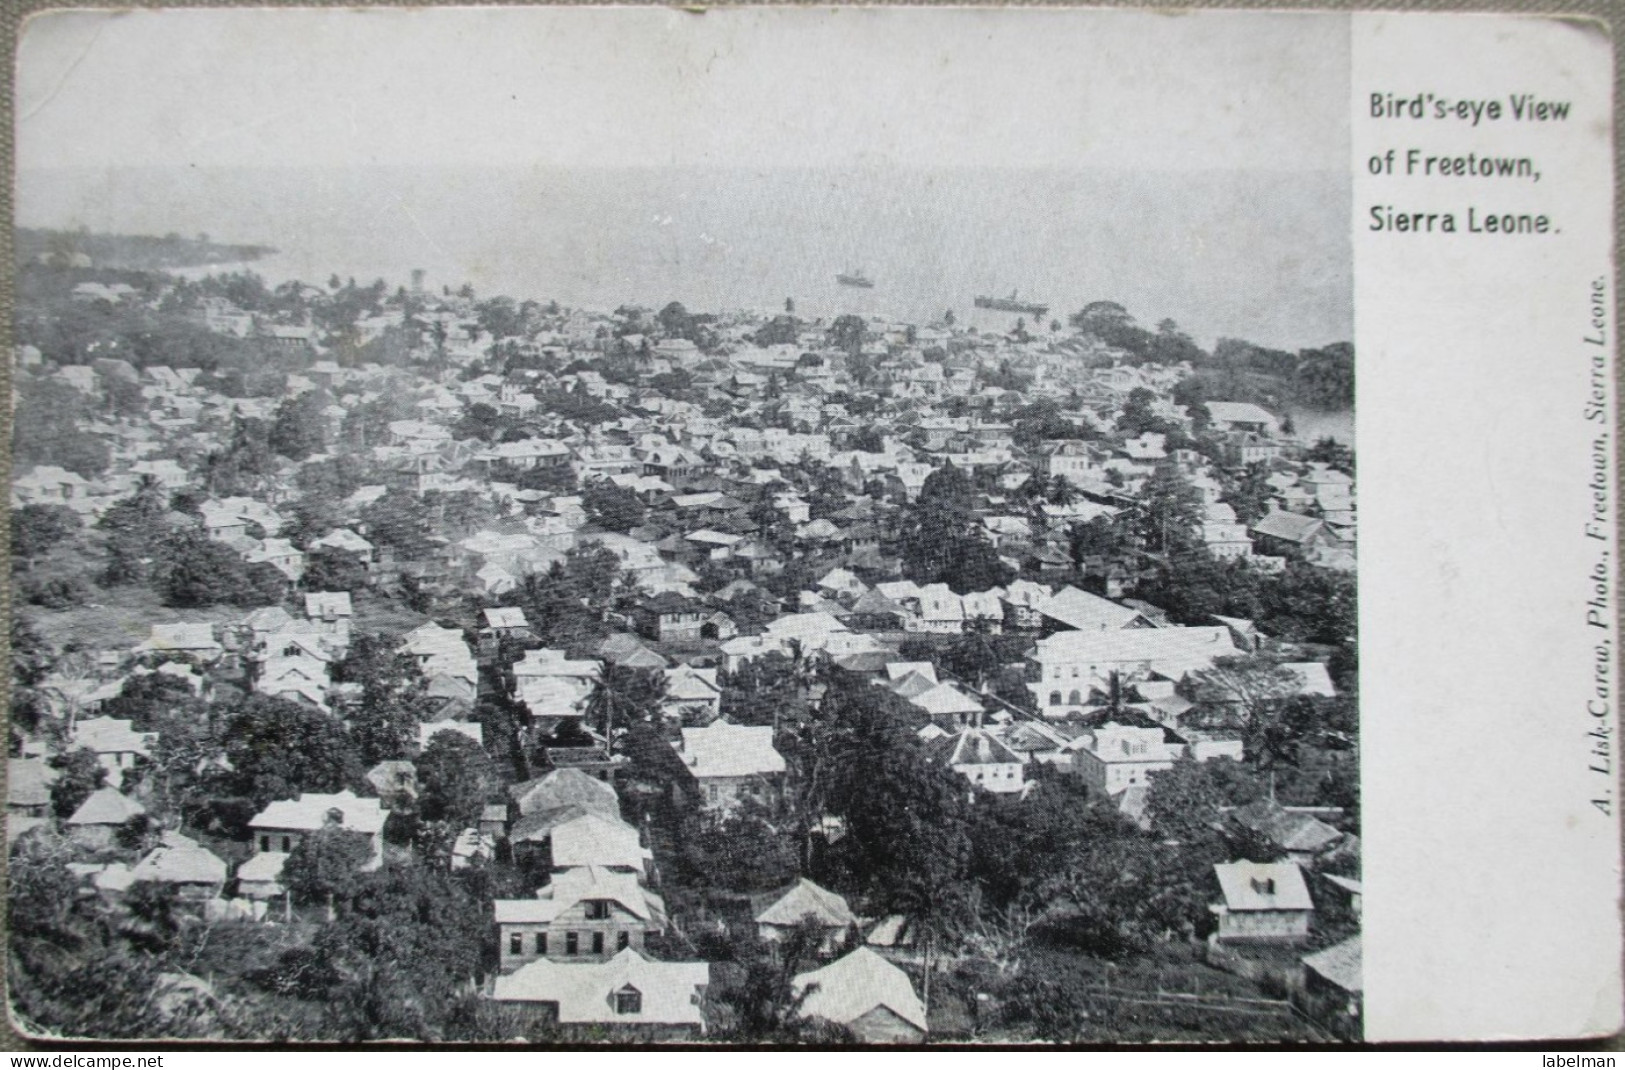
(585, 991)
(325, 603)
(897, 670)
(597, 840)
(946, 698)
(106, 806)
(851, 987)
(1087, 612)
(1263, 886)
(572, 886)
(180, 861)
(1341, 964)
(312, 811)
(109, 735)
(1284, 828)
(1290, 527)
(788, 907)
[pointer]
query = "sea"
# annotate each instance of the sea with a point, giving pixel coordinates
(1259, 255)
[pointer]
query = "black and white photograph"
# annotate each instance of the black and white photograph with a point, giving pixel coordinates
(570, 526)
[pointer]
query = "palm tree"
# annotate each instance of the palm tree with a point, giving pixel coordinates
(633, 694)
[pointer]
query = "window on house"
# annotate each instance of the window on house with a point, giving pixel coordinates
(1054, 698)
(623, 940)
(628, 1001)
(572, 943)
(265, 843)
(597, 909)
(1075, 698)
(287, 844)
(516, 944)
(541, 943)
(597, 943)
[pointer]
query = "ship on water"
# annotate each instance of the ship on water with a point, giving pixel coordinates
(1012, 304)
(855, 278)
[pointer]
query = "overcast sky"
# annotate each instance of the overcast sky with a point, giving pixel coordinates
(653, 86)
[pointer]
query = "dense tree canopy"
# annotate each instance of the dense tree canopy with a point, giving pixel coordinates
(279, 749)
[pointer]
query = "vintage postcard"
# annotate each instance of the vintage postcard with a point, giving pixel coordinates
(816, 525)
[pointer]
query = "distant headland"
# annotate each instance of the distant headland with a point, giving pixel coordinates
(129, 252)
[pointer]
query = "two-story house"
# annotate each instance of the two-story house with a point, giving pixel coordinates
(729, 762)
(670, 617)
(1117, 757)
(585, 912)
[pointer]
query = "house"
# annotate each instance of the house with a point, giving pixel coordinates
(506, 622)
(331, 612)
(780, 913)
(1264, 902)
(1036, 742)
(48, 485)
(1071, 608)
(1333, 987)
(942, 611)
(871, 997)
(1117, 757)
(601, 841)
(670, 617)
(1282, 532)
(194, 640)
(628, 989)
(1064, 667)
(562, 788)
(260, 875)
(981, 758)
(282, 825)
(194, 871)
(1023, 601)
(1295, 832)
(553, 699)
(28, 787)
(729, 762)
(1072, 458)
(584, 912)
(281, 555)
(294, 678)
(1242, 416)
(947, 703)
(873, 611)
(99, 817)
(692, 696)
(1350, 888)
(345, 541)
(115, 744)
(441, 650)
